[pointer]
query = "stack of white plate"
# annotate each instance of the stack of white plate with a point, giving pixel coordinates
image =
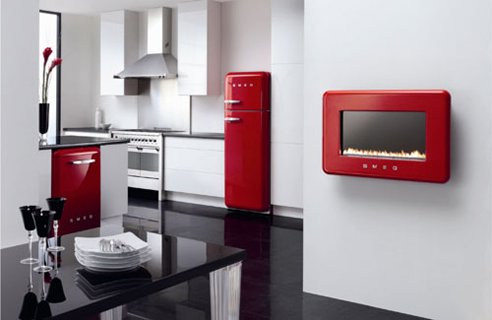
(117, 253)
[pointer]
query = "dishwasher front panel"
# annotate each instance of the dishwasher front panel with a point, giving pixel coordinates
(76, 175)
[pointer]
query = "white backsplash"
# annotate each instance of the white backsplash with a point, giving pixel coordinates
(207, 114)
(159, 105)
(120, 111)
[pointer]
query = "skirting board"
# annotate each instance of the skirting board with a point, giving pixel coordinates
(219, 202)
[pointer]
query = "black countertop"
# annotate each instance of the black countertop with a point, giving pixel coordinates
(88, 129)
(61, 142)
(201, 135)
(174, 260)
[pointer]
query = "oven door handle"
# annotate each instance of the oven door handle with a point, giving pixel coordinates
(144, 149)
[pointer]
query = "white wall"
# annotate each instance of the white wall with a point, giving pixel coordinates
(287, 102)
(245, 46)
(418, 248)
(78, 40)
(19, 58)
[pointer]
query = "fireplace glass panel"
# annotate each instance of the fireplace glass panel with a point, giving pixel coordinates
(383, 134)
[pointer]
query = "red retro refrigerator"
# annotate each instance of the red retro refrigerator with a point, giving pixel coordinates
(247, 140)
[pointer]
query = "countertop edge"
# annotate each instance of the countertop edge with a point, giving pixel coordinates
(201, 135)
(83, 144)
(88, 129)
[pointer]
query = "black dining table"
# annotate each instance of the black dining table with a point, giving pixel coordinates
(86, 294)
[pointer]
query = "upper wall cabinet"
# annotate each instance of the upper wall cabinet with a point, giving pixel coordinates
(119, 48)
(199, 71)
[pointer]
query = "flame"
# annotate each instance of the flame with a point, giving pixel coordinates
(387, 154)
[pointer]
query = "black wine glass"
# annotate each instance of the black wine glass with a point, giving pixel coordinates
(56, 205)
(27, 218)
(43, 220)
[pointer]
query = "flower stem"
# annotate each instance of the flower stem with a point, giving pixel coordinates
(43, 88)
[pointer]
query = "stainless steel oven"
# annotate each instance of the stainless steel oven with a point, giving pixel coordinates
(144, 162)
(145, 159)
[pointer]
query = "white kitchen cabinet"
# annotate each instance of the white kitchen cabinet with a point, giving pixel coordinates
(44, 174)
(194, 166)
(199, 68)
(119, 48)
(286, 175)
(114, 180)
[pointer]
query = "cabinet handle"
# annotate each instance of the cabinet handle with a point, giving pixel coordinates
(79, 162)
(232, 119)
(232, 101)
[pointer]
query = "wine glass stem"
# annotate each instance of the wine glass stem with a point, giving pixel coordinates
(29, 237)
(30, 285)
(55, 226)
(42, 245)
(56, 258)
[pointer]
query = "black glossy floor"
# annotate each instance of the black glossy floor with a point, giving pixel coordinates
(272, 272)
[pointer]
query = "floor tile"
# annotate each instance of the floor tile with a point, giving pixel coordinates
(271, 286)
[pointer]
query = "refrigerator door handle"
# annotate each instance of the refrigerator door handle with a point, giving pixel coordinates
(232, 119)
(88, 161)
(232, 101)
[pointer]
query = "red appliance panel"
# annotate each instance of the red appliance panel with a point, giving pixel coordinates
(76, 176)
(247, 165)
(435, 104)
(247, 91)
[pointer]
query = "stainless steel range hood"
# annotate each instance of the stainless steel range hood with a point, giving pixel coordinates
(158, 63)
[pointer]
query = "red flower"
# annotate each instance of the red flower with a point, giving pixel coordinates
(47, 73)
(54, 63)
(46, 53)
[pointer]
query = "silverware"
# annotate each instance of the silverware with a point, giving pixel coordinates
(112, 245)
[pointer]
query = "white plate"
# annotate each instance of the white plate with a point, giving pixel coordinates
(91, 244)
(112, 258)
(113, 266)
(112, 261)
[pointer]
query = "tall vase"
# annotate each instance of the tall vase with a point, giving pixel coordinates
(44, 118)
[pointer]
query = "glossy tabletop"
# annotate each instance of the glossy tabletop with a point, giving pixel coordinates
(174, 260)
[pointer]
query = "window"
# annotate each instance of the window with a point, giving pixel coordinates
(49, 36)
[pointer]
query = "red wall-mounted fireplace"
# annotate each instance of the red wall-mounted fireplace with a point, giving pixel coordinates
(387, 134)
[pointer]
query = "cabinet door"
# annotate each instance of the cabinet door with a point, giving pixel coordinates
(247, 160)
(194, 166)
(199, 48)
(119, 48)
(76, 176)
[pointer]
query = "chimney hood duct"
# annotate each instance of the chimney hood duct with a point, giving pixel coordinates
(158, 63)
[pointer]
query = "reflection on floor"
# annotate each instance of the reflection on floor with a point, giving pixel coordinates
(272, 272)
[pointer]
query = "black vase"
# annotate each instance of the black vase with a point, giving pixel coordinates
(44, 118)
